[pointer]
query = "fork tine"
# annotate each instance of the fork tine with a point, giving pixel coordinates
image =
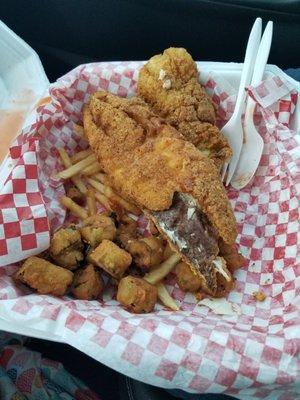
(224, 169)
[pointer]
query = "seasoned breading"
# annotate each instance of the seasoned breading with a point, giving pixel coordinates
(233, 258)
(87, 283)
(66, 247)
(111, 258)
(187, 280)
(169, 82)
(136, 294)
(147, 252)
(44, 276)
(127, 231)
(147, 160)
(97, 228)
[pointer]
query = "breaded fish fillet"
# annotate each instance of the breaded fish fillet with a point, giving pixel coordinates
(151, 164)
(169, 83)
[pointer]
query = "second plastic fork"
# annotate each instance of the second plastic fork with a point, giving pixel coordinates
(233, 129)
(253, 144)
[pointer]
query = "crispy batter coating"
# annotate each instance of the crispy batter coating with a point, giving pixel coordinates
(97, 228)
(136, 294)
(66, 247)
(259, 296)
(147, 160)
(127, 231)
(169, 82)
(224, 286)
(44, 276)
(87, 283)
(111, 258)
(233, 258)
(146, 252)
(187, 280)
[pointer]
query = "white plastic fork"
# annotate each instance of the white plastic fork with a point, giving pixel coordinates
(233, 129)
(253, 144)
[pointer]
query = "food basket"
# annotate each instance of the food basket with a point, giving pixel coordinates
(236, 346)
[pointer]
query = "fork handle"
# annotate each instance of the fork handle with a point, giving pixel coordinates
(262, 55)
(259, 68)
(251, 52)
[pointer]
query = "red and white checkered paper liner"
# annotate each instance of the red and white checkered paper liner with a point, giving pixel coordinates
(250, 355)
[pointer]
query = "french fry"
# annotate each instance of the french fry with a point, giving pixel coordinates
(157, 274)
(92, 169)
(113, 197)
(101, 178)
(128, 206)
(127, 219)
(168, 252)
(73, 207)
(118, 199)
(165, 297)
(67, 163)
(77, 168)
(81, 155)
(97, 185)
(91, 202)
(78, 129)
(103, 200)
(79, 184)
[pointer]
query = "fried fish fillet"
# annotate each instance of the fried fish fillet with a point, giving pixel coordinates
(150, 164)
(169, 82)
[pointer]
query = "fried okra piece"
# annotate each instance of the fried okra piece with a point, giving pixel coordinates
(111, 258)
(87, 283)
(127, 231)
(137, 295)
(187, 280)
(66, 247)
(97, 228)
(44, 276)
(147, 252)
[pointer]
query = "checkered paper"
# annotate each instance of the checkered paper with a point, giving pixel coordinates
(249, 355)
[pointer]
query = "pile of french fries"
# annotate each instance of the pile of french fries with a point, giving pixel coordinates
(86, 174)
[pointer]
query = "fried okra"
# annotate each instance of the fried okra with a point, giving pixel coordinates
(111, 258)
(146, 252)
(87, 283)
(44, 276)
(97, 228)
(136, 294)
(66, 247)
(127, 231)
(187, 280)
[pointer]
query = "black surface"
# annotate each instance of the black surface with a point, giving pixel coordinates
(108, 384)
(101, 379)
(134, 390)
(66, 33)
